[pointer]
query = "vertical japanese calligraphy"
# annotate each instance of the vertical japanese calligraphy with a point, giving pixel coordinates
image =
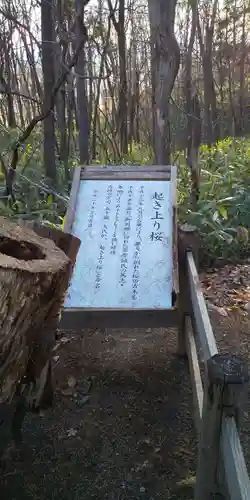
(157, 233)
(108, 200)
(117, 219)
(92, 209)
(104, 234)
(99, 268)
(125, 258)
(126, 235)
(138, 242)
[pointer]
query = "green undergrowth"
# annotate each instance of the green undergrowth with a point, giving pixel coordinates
(223, 214)
(222, 217)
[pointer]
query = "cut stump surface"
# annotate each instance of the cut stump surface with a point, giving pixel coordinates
(34, 275)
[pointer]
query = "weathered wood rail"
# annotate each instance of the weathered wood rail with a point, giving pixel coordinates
(218, 400)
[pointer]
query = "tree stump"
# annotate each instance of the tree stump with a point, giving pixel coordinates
(34, 276)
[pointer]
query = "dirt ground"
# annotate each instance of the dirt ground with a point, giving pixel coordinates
(121, 427)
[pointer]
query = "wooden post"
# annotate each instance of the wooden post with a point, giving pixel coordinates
(225, 384)
(188, 240)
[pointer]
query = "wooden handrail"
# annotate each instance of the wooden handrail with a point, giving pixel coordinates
(238, 483)
(197, 387)
(200, 312)
(221, 463)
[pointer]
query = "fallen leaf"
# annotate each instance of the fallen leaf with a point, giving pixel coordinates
(71, 432)
(220, 310)
(71, 381)
(86, 386)
(64, 340)
(82, 401)
(55, 358)
(189, 481)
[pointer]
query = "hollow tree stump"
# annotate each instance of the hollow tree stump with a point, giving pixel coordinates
(34, 275)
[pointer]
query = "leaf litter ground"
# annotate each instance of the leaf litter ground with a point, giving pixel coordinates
(121, 427)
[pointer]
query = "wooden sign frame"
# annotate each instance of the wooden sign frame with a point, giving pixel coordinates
(80, 318)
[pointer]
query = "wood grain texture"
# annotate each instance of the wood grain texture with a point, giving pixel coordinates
(175, 275)
(70, 214)
(236, 474)
(127, 168)
(209, 440)
(125, 175)
(34, 275)
(187, 238)
(200, 312)
(195, 374)
(78, 319)
(219, 452)
(68, 243)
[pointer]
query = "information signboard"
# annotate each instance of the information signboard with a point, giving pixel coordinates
(125, 259)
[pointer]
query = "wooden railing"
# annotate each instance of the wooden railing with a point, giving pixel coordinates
(218, 403)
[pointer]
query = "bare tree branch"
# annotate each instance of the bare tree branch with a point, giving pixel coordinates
(25, 134)
(20, 94)
(19, 24)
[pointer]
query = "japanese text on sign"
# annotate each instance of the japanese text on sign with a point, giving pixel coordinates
(125, 259)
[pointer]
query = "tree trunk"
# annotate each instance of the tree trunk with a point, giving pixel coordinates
(193, 117)
(82, 101)
(211, 123)
(48, 82)
(122, 113)
(60, 63)
(137, 107)
(6, 84)
(241, 121)
(188, 84)
(123, 105)
(98, 90)
(166, 60)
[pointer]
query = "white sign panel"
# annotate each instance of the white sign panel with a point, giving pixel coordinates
(125, 258)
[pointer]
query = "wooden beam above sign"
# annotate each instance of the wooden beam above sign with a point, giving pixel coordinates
(126, 172)
(128, 168)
